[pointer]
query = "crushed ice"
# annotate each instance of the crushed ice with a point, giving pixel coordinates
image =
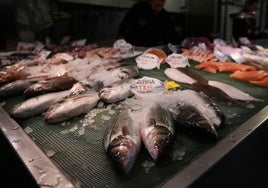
(178, 154)
(50, 153)
(147, 165)
(73, 129)
(3, 103)
(250, 106)
(28, 130)
(81, 131)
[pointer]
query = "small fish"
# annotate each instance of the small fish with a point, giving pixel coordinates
(117, 91)
(122, 141)
(72, 106)
(157, 131)
(50, 85)
(18, 86)
(39, 104)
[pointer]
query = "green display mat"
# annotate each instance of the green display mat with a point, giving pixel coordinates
(76, 146)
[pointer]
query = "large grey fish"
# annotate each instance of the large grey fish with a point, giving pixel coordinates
(53, 84)
(122, 141)
(116, 92)
(72, 106)
(196, 112)
(18, 86)
(41, 103)
(157, 131)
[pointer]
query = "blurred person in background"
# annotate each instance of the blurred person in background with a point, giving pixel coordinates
(2, 33)
(33, 20)
(147, 24)
(244, 22)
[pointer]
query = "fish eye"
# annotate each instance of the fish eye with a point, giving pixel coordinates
(124, 75)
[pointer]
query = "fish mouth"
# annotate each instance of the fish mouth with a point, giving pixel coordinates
(105, 92)
(122, 154)
(127, 72)
(160, 142)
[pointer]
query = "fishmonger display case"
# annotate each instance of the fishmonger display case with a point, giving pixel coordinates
(71, 154)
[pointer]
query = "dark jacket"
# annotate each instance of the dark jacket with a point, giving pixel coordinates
(142, 27)
(244, 25)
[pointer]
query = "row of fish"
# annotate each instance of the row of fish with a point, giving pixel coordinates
(84, 100)
(154, 123)
(76, 100)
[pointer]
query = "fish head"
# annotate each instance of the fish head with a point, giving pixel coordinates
(159, 142)
(194, 122)
(123, 154)
(126, 72)
(107, 93)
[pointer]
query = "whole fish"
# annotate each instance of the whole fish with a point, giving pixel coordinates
(196, 112)
(190, 118)
(41, 103)
(122, 141)
(37, 105)
(18, 86)
(116, 92)
(72, 106)
(157, 131)
(50, 85)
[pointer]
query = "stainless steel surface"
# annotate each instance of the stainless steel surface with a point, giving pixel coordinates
(204, 162)
(46, 173)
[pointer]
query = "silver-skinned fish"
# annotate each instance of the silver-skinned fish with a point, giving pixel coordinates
(157, 130)
(37, 105)
(116, 92)
(196, 112)
(18, 86)
(72, 106)
(58, 83)
(122, 141)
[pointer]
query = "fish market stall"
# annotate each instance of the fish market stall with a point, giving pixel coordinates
(72, 149)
